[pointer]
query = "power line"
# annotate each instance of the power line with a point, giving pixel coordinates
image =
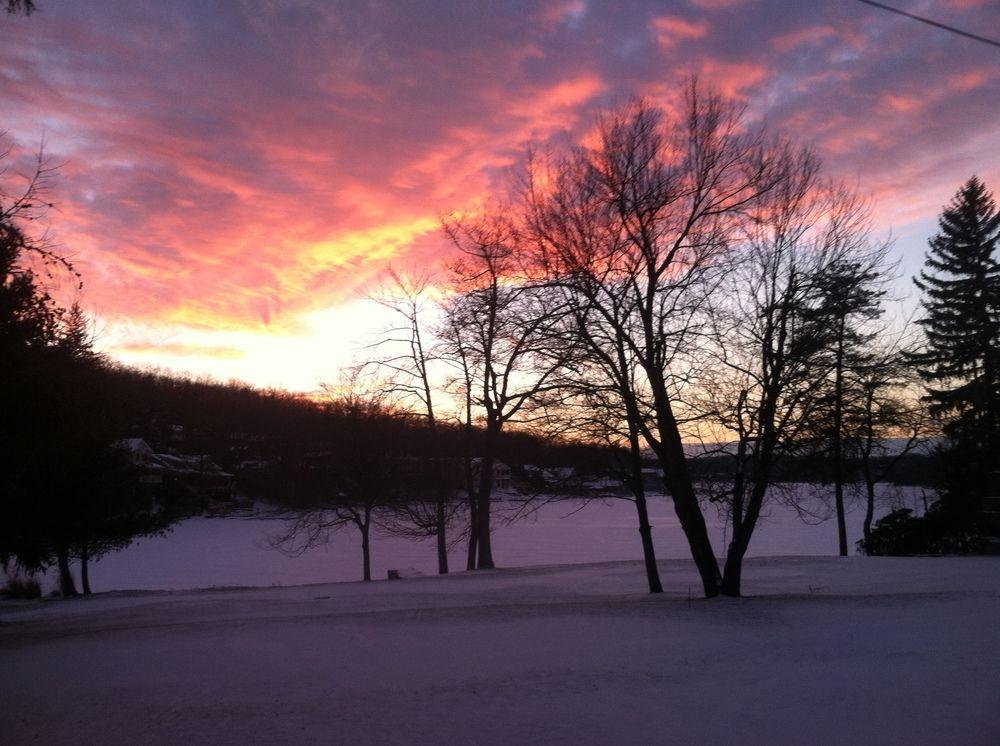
(929, 22)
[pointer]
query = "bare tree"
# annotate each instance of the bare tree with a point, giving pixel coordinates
(608, 414)
(504, 328)
(454, 351)
(24, 203)
(574, 230)
(850, 292)
(405, 353)
(669, 195)
(887, 421)
(773, 340)
(361, 471)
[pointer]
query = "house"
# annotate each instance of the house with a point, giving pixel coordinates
(138, 451)
(558, 474)
(501, 473)
(196, 474)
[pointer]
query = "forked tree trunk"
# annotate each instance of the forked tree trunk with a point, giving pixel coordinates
(66, 585)
(695, 531)
(731, 578)
(732, 573)
(744, 524)
(677, 480)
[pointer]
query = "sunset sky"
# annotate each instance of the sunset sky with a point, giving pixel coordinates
(236, 175)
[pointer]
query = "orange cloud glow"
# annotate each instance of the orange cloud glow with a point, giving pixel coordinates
(237, 176)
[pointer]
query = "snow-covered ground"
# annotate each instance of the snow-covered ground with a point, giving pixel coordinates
(215, 552)
(828, 650)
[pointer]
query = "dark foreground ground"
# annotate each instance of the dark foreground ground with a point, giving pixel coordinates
(857, 651)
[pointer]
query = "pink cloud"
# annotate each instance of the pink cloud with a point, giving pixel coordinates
(719, 4)
(802, 37)
(671, 29)
(235, 167)
(969, 81)
(903, 103)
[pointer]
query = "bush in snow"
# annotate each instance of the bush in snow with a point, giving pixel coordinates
(21, 588)
(938, 531)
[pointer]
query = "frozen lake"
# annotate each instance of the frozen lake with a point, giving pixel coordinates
(222, 552)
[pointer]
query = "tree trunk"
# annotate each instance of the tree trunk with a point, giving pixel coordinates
(645, 529)
(470, 563)
(366, 554)
(66, 585)
(85, 571)
(648, 553)
(440, 529)
(869, 508)
(442, 539)
(743, 528)
(470, 482)
(838, 496)
(485, 548)
(838, 456)
(693, 524)
(677, 480)
(732, 577)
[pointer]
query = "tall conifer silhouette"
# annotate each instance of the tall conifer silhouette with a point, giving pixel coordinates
(960, 361)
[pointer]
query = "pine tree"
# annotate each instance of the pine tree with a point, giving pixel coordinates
(849, 294)
(960, 361)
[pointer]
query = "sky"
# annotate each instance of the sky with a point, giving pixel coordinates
(236, 177)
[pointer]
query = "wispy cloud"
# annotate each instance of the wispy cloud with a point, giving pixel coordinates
(237, 167)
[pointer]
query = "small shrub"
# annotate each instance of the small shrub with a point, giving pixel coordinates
(938, 531)
(21, 588)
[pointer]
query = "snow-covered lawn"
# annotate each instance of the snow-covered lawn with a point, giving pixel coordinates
(856, 650)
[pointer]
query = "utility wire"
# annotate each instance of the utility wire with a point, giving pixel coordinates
(929, 22)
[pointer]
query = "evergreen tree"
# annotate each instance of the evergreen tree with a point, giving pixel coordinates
(848, 295)
(960, 360)
(66, 491)
(29, 324)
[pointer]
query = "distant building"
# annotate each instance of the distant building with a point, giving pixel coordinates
(197, 474)
(501, 473)
(138, 451)
(558, 474)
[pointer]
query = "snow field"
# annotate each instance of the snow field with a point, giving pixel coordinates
(828, 650)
